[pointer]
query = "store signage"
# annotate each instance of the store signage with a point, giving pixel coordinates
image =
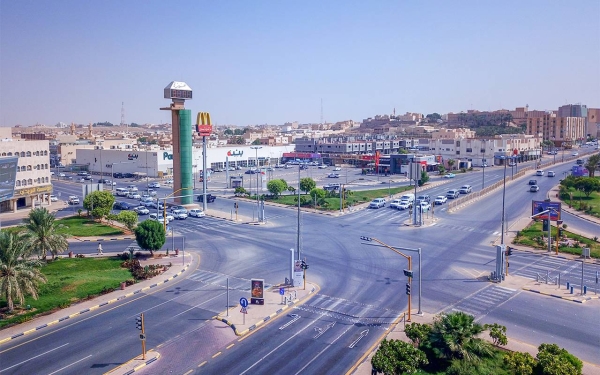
(167, 156)
(33, 190)
(235, 153)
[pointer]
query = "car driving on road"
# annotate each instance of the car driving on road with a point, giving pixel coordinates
(534, 188)
(377, 203)
(440, 199)
(195, 212)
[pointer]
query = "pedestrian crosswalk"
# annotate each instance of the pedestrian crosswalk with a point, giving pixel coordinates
(484, 301)
(381, 215)
(221, 280)
(195, 225)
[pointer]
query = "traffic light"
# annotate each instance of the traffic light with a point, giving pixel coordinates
(408, 289)
(560, 232)
(138, 322)
(304, 266)
(509, 251)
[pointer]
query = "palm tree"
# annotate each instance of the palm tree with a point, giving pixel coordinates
(18, 275)
(453, 336)
(42, 235)
(451, 163)
(592, 163)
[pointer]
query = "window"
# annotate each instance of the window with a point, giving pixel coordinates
(28, 154)
(24, 182)
(45, 166)
(22, 154)
(47, 180)
(30, 182)
(29, 167)
(45, 153)
(39, 180)
(9, 154)
(37, 153)
(4, 154)
(469, 150)
(18, 183)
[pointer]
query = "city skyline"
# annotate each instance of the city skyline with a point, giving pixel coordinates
(269, 63)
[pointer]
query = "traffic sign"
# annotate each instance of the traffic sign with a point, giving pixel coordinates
(142, 336)
(244, 302)
(244, 310)
(281, 291)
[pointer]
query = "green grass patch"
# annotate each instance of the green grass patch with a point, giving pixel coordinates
(533, 236)
(71, 280)
(77, 226)
(333, 202)
(578, 200)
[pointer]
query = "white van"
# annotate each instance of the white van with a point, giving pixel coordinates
(132, 188)
(408, 197)
(121, 192)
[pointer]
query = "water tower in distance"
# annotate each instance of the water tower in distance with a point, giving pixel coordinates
(181, 128)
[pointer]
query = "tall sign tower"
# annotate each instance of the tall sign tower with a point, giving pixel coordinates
(181, 127)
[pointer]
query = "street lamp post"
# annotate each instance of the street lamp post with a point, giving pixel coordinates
(298, 231)
(256, 148)
(503, 198)
(483, 159)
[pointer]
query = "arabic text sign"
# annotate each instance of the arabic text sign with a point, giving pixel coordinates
(541, 206)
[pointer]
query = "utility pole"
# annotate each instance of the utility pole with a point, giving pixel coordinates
(298, 230)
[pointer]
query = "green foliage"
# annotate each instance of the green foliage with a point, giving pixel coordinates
(433, 117)
(451, 163)
(318, 195)
(553, 360)
(441, 169)
(42, 233)
(453, 336)
(19, 275)
(240, 191)
(307, 184)
(84, 227)
(592, 163)
(128, 218)
(587, 185)
(291, 189)
(520, 363)
(256, 141)
(490, 131)
(276, 187)
(99, 203)
(150, 235)
(397, 357)
(417, 332)
(497, 333)
(424, 178)
(228, 132)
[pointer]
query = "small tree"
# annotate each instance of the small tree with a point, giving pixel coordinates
(417, 332)
(520, 363)
(451, 163)
(307, 184)
(441, 169)
(587, 185)
(99, 203)
(150, 235)
(553, 360)
(276, 187)
(240, 191)
(128, 218)
(291, 189)
(318, 195)
(424, 178)
(592, 163)
(397, 357)
(497, 333)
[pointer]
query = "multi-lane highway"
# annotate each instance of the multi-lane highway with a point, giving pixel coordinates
(362, 291)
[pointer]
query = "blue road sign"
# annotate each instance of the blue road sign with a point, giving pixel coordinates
(281, 291)
(243, 302)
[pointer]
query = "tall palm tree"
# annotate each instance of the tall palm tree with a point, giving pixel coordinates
(19, 276)
(453, 336)
(41, 229)
(451, 163)
(592, 164)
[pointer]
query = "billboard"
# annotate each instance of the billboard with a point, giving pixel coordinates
(8, 175)
(541, 206)
(257, 291)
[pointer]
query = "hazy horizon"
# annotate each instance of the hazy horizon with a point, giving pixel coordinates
(271, 63)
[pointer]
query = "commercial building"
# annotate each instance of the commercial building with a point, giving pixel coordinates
(563, 131)
(24, 172)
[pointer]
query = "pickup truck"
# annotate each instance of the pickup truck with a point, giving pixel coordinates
(209, 198)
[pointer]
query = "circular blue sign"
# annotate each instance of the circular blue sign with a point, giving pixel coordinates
(244, 302)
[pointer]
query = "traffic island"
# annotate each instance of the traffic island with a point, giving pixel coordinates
(245, 318)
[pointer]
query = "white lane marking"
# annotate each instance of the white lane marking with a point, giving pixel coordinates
(279, 346)
(39, 355)
(294, 318)
(362, 334)
(322, 351)
(52, 373)
(505, 288)
(200, 304)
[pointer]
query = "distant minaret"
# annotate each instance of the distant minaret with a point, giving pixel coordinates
(90, 134)
(72, 128)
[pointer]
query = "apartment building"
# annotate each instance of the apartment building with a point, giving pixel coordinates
(560, 130)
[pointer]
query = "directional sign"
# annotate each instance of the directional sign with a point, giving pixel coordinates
(142, 336)
(243, 302)
(281, 291)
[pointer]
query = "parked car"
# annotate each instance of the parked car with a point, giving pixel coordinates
(82, 173)
(154, 185)
(452, 194)
(133, 195)
(250, 171)
(87, 178)
(449, 175)
(337, 169)
(128, 175)
(209, 198)
(195, 212)
(333, 175)
(465, 189)
(141, 210)
(169, 181)
(440, 199)
(551, 174)
(377, 203)
(322, 166)
(532, 182)
(53, 198)
(534, 188)
(124, 206)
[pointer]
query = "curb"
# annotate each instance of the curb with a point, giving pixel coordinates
(92, 308)
(572, 299)
(136, 368)
(104, 239)
(267, 318)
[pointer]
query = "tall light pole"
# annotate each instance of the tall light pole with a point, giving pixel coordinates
(503, 198)
(256, 148)
(298, 231)
(483, 160)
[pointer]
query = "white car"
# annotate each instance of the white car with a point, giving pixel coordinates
(62, 175)
(425, 206)
(53, 198)
(133, 195)
(154, 185)
(377, 203)
(178, 208)
(169, 181)
(323, 166)
(404, 205)
(180, 215)
(141, 210)
(132, 188)
(395, 203)
(195, 212)
(440, 199)
(575, 154)
(333, 175)
(337, 169)
(170, 218)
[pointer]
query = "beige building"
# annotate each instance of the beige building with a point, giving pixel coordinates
(32, 181)
(560, 130)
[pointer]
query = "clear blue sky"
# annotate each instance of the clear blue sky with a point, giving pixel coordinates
(257, 62)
